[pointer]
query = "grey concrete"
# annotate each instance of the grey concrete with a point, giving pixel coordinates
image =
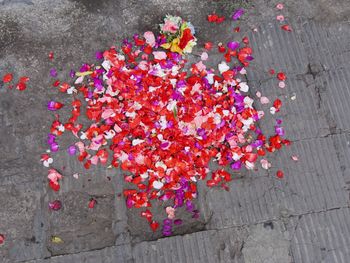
(302, 218)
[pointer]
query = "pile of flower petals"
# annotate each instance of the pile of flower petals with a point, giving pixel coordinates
(163, 124)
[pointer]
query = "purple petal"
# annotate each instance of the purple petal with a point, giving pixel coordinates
(233, 45)
(99, 55)
(177, 221)
(51, 105)
(72, 150)
(54, 147)
(236, 15)
(51, 138)
(53, 72)
(72, 73)
(236, 165)
(279, 130)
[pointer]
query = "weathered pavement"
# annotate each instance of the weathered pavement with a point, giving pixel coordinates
(302, 218)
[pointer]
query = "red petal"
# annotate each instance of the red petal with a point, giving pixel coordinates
(54, 186)
(212, 18)
(245, 40)
(24, 79)
(277, 104)
(208, 45)
(21, 86)
(279, 174)
(281, 76)
(7, 78)
(147, 214)
(92, 203)
(286, 28)
(2, 239)
(154, 225)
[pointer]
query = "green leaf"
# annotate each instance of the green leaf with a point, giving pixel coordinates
(175, 112)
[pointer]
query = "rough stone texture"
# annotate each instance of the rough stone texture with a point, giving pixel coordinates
(302, 218)
(266, 243)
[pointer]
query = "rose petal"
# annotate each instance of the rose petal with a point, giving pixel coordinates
(279, 6)
(237, 14)
(264, 100)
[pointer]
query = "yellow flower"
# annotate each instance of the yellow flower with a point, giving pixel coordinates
(173, 45)
(189, 46)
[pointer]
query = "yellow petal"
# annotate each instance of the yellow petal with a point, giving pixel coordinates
(80, 74)
(166, 45)
(175, 47)
(56, 239)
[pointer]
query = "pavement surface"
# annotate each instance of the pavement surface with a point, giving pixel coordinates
(302, 218)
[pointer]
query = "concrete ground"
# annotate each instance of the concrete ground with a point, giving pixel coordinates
(302, 218)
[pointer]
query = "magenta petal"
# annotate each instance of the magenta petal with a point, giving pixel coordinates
(51, 105)
(51, 138)
(99, 55)
(129, 202)
(54, 147)
(236, 15)
(53, 72)
(279, 130)
(233, 45)
(236, 165)
(72, 150)
(72, 73)
(177, 221)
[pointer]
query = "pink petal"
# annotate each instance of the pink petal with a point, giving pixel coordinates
(107, 113)
(159, 55)
(279, 6)
(204, 56)
(295, 158)
(264, 100)
(280, 18)
(150, 39)
(94, 160)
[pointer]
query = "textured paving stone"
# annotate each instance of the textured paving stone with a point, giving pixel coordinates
(303, 218)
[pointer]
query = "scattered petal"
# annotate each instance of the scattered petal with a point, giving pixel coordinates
(281, 76)
(282, 84)
(53, 105)
(286, 28)
(295, 158)
(56, 240)
(7, 78)
(208, 45)
(265, 164)
(279, 6)
(264, 100)
(204, 56)
(280, 174)
(53, 72)
(237, 14)
(233, 45)
(154, 226)
(55, 205)
(150, 38)
(92, 203)
(280, 18)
